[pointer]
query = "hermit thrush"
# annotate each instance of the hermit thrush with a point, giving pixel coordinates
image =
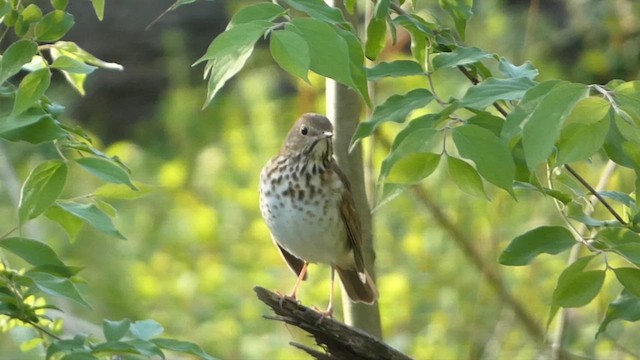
(306, 201)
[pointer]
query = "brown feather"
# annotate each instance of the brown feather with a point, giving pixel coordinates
(293, 262)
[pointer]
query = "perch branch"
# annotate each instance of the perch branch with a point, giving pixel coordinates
(337, 339)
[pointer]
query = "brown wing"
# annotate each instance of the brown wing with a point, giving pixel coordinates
(293, 262)
(351, 220)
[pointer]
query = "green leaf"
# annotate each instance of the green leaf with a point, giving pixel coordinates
(543, 127)
(16, 55)
(92, 215)
(460, 11)
(627, 95)
(72, 65)
(526, 70)
(183, 347)
(32, 251)
(413, 168)
(31, 89)
(146, 329)
(42, 187)
(396, 108)
(57, 286)
(329, 52)
(45, 129)
(59, 4)
(356, 60)
(265, 11)
(487, 121)
(318, 9)
(25, 119)
(72, 49)
(228, 53)
(291, 52)
(98, 7)
(31, 14)
(512, 128)
(396, 68)
(70, 223)
(376, 38)
(492, 89)
(115, 330)
(460, 56)
(53, 26)
(617, 147)
(465, 177)
(625, 307)
(576, 289)
(491, 156)
(620, 197)
(418, 141)
(542, 240)
(579, 142)
(106, 170)
(629, 278)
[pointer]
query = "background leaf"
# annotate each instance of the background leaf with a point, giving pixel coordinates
(465, 177)
(106, 170)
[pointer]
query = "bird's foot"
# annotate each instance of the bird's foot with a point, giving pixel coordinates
(324, 314)
(284, 297)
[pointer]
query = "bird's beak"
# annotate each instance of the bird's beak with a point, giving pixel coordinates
(327, 134)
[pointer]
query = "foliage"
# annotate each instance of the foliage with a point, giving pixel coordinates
(509, 129)
(27, 115)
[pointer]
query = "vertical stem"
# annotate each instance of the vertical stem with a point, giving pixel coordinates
(343, 108)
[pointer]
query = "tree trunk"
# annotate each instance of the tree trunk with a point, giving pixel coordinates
(343, 108)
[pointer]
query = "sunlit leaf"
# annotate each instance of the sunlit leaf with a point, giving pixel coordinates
(115, 330)
(183, 347)
(492, 90)
(465, 177)
(16, 55)
(356, 64)
(266, 11)
(228, 53)
(491, 156)
(53, 26)
(396, 68)
(57, 286)
(106, 170)
(376, 38)
(71, 49)
(70, 223)
(72, 65)
(396, 108)
(545, 122)
(318, 9)
(460, 11)
(92, 215)
(146, 329)
(32, 251)
(629, 278)
(542, 240)
(413, 168)
(526, 70)
(625, 307)
(576, 287)
(98, 7)
(42, 187)
(31, 89)
(291, 52)
(460, 56)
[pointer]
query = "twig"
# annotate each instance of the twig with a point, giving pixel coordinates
(595, 193)
(340, 341)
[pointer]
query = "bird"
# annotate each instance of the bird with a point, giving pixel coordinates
(307, 204)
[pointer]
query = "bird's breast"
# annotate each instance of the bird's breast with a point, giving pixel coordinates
(300, 203)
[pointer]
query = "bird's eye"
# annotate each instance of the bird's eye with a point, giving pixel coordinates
(304, 130)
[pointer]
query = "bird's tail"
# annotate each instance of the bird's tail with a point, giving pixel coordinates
(359, 288)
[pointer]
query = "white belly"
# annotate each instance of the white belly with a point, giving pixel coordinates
(311, 228)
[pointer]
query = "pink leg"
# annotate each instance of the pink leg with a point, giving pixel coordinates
(303, 272)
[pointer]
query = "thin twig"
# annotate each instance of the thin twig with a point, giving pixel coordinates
(595, 193)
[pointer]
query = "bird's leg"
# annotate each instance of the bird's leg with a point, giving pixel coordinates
(303, 272)
(329, 312)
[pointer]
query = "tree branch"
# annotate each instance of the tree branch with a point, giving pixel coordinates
(339, 341)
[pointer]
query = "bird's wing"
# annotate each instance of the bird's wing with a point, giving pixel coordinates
(294, 263)
(351, 220)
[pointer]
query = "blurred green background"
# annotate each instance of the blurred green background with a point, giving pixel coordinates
(196, 244)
